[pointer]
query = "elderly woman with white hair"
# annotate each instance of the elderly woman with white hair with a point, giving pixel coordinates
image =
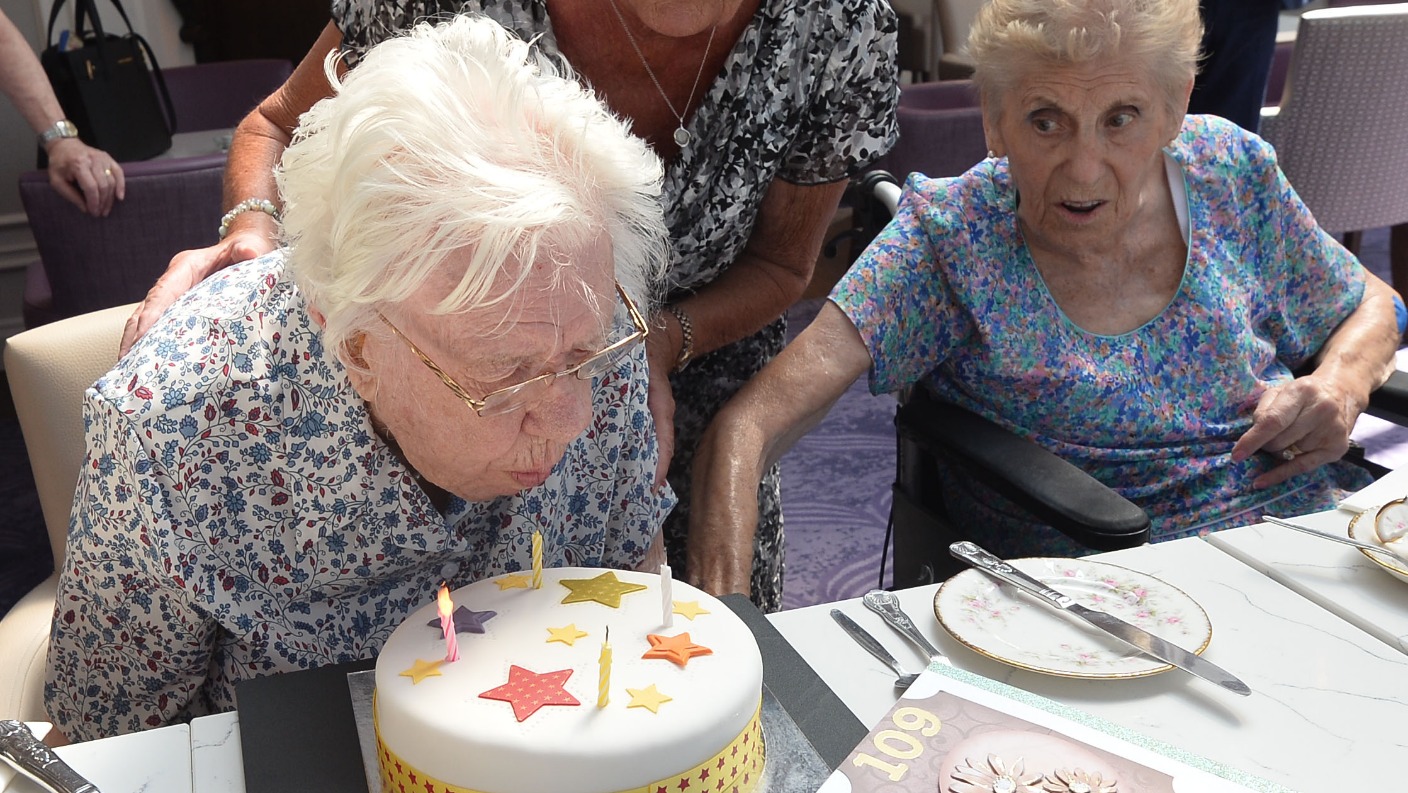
(1142, 293)
(444, 360)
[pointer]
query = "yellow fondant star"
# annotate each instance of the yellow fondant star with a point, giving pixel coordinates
(567, 634)
(605, 589)
(422, 669)
(512, 581)
(648, 697)
(688, 608)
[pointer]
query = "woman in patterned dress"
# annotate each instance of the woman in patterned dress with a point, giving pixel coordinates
(1142, 293)
(761, 110)
(440, 366)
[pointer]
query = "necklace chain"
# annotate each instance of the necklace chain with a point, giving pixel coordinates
(681, 136)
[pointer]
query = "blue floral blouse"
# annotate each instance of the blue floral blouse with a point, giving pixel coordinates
(237, 515)
(948, 294)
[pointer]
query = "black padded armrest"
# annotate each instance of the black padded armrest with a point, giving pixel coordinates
(1390, 400)
(1053, 490)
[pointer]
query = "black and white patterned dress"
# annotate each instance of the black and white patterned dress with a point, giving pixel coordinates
(808, 96)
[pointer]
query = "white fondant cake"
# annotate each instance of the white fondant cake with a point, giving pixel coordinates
(437, 733)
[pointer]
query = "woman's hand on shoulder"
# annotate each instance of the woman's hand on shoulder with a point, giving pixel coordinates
(1305, 422)
(187, 269)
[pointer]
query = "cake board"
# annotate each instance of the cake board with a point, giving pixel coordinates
(298, 730)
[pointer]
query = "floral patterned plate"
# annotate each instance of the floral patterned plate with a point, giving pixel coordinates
(997, 621)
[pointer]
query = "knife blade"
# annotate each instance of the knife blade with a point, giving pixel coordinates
(1138, 638)
(32, 758)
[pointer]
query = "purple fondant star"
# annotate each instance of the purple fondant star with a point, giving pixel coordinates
(467, 621)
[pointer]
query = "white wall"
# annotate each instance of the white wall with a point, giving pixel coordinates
(155, 20)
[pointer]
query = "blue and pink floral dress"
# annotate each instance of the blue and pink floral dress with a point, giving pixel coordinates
(948, 295)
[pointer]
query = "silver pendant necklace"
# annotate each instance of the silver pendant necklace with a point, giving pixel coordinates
(681, 136)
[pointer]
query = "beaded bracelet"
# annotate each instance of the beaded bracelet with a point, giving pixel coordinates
(687, 340)
(248, 205)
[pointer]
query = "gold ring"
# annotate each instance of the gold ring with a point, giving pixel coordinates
(107, 172)
(1291, 452)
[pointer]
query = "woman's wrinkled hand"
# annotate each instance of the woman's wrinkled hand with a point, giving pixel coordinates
(88, 178)
(1305, 423)
(187, 269)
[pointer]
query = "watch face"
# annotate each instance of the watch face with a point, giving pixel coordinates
(61, 129)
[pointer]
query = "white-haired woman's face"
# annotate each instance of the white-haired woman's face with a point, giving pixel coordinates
(1084, 145)
(547, 330)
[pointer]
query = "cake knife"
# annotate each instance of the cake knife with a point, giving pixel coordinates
(30, 757)
(1138, 638)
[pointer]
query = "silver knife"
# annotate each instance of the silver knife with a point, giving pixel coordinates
(30, 757)
(872, 646)
(1136, 637)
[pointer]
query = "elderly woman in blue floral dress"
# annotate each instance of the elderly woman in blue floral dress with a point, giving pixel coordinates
(445, 360)
(1142, 293)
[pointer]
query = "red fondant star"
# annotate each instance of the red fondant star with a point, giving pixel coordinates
(674, 648)
(527, 691)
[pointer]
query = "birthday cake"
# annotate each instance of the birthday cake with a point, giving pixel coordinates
(539, 699)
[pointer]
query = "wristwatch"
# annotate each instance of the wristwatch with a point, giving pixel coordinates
(63, 128)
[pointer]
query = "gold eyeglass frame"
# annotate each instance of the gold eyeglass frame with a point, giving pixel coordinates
(478, 405)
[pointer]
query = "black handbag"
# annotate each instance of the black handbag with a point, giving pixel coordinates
(108, 86)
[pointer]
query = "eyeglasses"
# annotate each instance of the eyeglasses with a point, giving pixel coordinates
(514, 397)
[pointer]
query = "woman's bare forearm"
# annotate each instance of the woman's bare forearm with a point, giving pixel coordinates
(1361, 353)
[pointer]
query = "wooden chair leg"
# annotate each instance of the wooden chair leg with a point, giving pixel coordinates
(1352, 241)
(1398, 257)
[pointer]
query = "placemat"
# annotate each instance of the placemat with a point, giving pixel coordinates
(298, 730)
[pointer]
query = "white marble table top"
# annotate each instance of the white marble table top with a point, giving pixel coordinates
(1338, 577)
(1325, 696)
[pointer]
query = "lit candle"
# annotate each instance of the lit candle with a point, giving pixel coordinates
(447, 624)
(667, 603)
(537, 560)
(604, 677)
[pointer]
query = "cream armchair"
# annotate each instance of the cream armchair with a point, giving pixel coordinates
(49, 368)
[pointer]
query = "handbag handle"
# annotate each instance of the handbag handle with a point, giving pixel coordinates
(87, 10)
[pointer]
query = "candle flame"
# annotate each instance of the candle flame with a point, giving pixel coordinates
(446, 607)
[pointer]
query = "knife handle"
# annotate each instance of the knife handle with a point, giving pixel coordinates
(973, 554)
(38, 762)
(865, 640)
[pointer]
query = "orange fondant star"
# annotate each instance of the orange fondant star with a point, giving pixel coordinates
(568, 634)
(420, 670)
(648, 697)
(511, 581)
(688, 609)
(605, 589)
(674, 648)
(527, 691)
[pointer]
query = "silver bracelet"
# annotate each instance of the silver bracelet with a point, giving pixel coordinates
(248, 205)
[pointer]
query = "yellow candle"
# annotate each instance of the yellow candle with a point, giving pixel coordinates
(604, 679)
(537, 560)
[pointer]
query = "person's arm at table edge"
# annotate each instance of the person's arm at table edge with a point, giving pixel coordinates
(1357, 358)
(776, 407)
(258, 142)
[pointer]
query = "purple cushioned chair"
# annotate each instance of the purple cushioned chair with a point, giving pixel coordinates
(217, 95)
(941, 130)
(87, 263)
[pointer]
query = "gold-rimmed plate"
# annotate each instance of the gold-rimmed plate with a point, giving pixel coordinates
(1001, 623)
(1363, 527)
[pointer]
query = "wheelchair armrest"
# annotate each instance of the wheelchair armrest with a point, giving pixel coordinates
(1053, 490)
(1390, 400)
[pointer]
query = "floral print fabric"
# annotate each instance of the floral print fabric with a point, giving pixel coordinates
(948, 294)
(808, 96)
(237, 515)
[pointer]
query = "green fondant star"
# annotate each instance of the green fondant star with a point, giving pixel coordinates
(605, 589)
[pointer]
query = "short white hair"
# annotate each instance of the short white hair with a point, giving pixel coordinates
(460, 136)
